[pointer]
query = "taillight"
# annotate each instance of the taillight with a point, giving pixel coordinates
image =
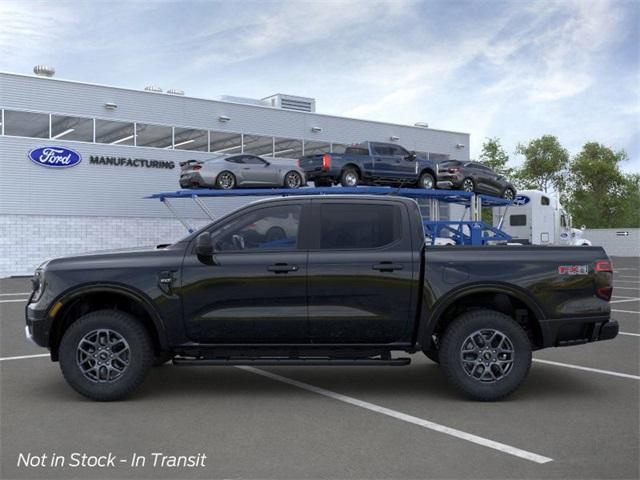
(196, 167)
(604, 293)
(299, 163)
(605, 266)
(454, 170)
(326, 161)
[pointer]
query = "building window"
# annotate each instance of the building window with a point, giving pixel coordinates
(157, 136)
(314, 148)
(114, 133)
(287, 148)
(258, 145)
(438, 157)
(190, 139)
(26, 124)
(225, 142)
(71, 128)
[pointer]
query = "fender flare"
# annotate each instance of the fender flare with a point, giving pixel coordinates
(429, 320)
(131, 293)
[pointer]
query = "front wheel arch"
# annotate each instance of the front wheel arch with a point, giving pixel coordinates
(95, 297)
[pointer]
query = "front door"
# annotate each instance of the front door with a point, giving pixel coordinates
(257, 171)
(254, 290)
(360, 272)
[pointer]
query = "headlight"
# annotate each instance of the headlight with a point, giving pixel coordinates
(38, 284)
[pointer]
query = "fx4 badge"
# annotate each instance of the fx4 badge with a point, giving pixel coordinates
(573, 269)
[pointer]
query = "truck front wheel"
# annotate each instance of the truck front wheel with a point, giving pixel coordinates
(485, 354)
(105, 355)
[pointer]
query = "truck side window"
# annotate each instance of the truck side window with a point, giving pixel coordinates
(353, 226)
(518, 220)
(270, 228)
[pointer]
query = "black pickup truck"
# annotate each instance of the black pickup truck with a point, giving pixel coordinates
(326, 280)
(371, 163)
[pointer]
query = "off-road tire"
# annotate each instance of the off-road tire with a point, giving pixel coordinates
(452, 343)
(140, 356)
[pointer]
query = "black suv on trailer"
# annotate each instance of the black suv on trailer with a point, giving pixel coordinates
(345, 283)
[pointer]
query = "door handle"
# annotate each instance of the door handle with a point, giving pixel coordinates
(246, 168)
(282, 268)
(387, 266)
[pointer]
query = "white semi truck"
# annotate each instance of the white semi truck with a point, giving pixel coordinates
(537, 218)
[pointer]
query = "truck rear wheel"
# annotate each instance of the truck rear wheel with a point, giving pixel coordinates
(349, 178)
(485, 354)
(105, 355)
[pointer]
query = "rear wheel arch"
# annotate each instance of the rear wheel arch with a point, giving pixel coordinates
(84, 300)
(511, 301)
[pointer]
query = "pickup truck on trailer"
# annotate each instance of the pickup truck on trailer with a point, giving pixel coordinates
(347, 283)
(371, 163)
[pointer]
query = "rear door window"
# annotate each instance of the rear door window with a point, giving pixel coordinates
(346, 226)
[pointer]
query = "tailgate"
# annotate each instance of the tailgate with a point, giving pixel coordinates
(311, 163)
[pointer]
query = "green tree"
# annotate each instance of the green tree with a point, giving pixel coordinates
(600, 195)
(545, 164)
(494, 156)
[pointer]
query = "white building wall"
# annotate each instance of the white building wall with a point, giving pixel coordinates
(619, 242)
(29, 240)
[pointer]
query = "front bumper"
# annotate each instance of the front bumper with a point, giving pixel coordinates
(575, 331)
(38, 326)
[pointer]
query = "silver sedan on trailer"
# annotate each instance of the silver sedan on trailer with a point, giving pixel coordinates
(241, 170)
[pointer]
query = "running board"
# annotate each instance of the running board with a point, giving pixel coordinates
(291, 361)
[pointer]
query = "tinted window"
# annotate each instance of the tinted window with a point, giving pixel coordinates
(26, 124)
(383, 150)
(544, 200)
(157, 136)
(234, 159)
(113, 132)
(518, 220)
(349, 226)
(251, 160)
(357, 151)
(269, 228)
(71, 128)
(399, 151)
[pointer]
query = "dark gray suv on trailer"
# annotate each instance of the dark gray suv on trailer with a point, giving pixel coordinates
(474, 177)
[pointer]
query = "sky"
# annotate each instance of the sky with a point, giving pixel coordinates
(514, 70)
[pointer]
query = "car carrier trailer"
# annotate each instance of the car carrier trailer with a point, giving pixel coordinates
(460, 232)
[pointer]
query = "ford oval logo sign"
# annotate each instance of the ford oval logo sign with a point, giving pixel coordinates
(521, 200)
(55, 157)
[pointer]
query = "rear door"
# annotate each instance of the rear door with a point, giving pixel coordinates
(360, 272)
(383, 160)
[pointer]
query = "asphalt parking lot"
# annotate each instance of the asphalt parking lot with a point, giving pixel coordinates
(577, 415)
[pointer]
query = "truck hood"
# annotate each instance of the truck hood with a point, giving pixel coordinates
(103, 258)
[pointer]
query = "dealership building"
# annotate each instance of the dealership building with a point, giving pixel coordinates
(129, 144)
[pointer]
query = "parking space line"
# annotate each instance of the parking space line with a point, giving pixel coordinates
(587, 369)
(627, 300)
(485, 442)
(22, 357)
(14, 294)
(630, 334)
(625, 311)
(14, 300)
